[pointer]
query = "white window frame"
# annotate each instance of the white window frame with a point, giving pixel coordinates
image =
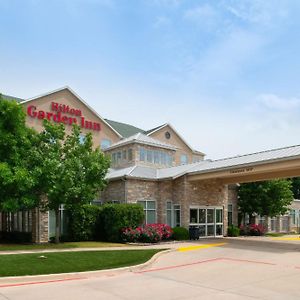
(146, 209)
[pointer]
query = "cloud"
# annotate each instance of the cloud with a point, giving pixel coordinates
(262, 12)
(275, 102)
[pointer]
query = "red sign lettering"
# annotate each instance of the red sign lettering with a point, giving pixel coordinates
(60, 115)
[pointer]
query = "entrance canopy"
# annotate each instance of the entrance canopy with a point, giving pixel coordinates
(271, 164)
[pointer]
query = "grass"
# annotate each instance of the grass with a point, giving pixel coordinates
(274, 234)
(68, 245)
(65, 262)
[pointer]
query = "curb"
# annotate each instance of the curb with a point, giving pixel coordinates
(17, 280)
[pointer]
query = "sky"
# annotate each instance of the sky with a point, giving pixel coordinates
(224, 73)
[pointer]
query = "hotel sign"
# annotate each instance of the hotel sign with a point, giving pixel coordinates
(61, 113)
(239, 171)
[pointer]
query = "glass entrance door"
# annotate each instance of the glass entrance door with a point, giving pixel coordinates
(208, 219)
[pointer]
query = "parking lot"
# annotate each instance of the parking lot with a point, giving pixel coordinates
(208, 269)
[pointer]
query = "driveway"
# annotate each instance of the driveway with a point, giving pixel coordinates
(209, 269)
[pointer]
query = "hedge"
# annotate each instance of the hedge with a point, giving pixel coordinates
(82, 223)
(180, 233)
(114, 217)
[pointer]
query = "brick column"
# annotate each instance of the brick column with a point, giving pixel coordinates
(40, 226)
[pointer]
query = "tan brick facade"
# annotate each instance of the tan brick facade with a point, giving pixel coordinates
(179, 191)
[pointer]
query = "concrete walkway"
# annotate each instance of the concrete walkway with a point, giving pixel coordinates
(234, 268)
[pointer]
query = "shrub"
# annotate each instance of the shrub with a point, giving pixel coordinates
(252, 229)
(82, 223)
(114, 217)
(256, 229)
(233, 231)
(150, 233)
(180, 233)
(15, 237)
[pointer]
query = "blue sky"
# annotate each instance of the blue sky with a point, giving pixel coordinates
(224, 73)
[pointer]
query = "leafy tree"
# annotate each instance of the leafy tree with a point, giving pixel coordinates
(18, 175)
(266, 198)
(72, 172)
(296, 187)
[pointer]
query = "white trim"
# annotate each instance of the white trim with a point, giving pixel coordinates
(79, 98)
(168, 124)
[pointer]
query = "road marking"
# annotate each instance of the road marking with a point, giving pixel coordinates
(286, 238)
(178, 266)
(39, 282)
(205, 246)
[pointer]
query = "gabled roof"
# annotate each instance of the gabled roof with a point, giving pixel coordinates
(80, 99)
(141, 138)
(151, 131)
(11, 98)
(125, 130)
(206, 166)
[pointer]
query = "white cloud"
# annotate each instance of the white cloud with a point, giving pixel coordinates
(276, 102)
(262, 12)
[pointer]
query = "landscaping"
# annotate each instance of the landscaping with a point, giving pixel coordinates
(67, 245)
(65, 262)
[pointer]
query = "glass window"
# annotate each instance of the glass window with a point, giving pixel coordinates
(210, 215)
(202, 215)
(105, 143)
(149, 156)
(156, 157)
(169, 213)
(183, 159)
(81, 139)
(142, 154)
(130, 157)
(219, 215)
(124, 154)
(177, 218)
(150, 210)
(193, 215)
(293, 216)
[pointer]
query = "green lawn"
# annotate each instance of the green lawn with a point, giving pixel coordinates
(6, 247)
(64, 262)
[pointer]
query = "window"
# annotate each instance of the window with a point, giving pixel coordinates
(169, 214)
(130, 157)
(229, 216)
(124, 154)
(149, 209)
(105, 143)
(149, 156)
(173, 214)
(261, 220)
(293, 216)
(142, 154)
(156, 157)
(177, 219)
(184, 159)
(196, 159)
(81, 139)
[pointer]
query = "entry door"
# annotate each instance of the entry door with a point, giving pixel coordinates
(208, 219)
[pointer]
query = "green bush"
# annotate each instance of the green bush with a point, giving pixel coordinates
(15, 237)
(82, 223)
(114, 217)
(233, 231)
(180, 233)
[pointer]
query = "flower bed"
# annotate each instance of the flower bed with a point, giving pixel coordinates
(150, 233)
(252, 229)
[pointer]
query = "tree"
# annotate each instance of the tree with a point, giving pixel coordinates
(266, 198)
(18, 175)
(296, 187)
(72, 172)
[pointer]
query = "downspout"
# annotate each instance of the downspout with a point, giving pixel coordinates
(125, 189)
